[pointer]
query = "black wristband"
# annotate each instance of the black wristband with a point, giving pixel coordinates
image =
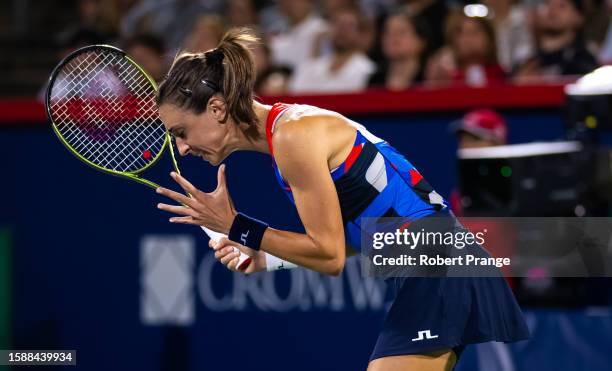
(247, 231)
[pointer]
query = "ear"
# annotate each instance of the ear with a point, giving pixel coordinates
(217, 108)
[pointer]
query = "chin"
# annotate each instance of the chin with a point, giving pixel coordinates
(214, 161)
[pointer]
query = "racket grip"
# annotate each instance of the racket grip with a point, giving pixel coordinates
(243, 259)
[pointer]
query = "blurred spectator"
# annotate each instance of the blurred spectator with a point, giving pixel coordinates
(169, 19)
(295, 44)
(597, 24)
(515, 43)
(346, 69)
(271, 19)
(478, 128)
(370, 8)
(241, 13)
(97, 20)
(72, 39)
(405, 45)
(331, 7)
(149, 52)
(471, 56)
(434, 13)
(67, 42)
(205, 34)
(561, 47)
(100, 16)
(262, 55)
(271, 80)
(322, 45)
(605, 55)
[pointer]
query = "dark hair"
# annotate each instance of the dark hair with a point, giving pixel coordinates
(362, 20)
(580, 6)
(490, 54)
(421, 30)
(228, 70)
(79, 36)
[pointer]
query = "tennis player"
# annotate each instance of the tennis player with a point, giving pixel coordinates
(335, 172)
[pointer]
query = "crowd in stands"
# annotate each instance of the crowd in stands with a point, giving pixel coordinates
(333, 46)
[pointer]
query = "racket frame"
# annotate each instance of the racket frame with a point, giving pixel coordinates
(133, 175)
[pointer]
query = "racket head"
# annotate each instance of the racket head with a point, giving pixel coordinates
(102, 107)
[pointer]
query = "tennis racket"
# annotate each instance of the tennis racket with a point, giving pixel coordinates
(101, 105)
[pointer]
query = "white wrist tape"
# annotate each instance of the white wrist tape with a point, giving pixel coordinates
(273, 263)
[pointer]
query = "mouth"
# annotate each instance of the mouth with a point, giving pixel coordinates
(198, 153)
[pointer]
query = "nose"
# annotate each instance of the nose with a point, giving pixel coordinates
(183, 147)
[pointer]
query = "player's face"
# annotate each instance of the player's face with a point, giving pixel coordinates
(196, 134)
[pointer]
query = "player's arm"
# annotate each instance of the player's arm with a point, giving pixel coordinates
(301, 151)
(302, 148)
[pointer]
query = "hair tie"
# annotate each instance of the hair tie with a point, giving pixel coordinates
(214, 56)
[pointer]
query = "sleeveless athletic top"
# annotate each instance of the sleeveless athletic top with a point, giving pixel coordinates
(375, 180)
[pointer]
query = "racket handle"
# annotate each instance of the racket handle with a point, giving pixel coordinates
(243, 259)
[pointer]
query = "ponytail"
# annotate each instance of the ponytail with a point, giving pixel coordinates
(239, 75)
(228, 70)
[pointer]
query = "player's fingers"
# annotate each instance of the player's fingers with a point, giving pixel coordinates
(233, 264)
(231, 203)
(183, 220)
(221, 177)
(227, 258)
(234, 245)
(223, 241)
(212, 244)
(181, 210)
(220, 253)
(178, 197)
(184, 183)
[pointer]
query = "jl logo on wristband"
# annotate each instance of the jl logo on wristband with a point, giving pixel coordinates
(243, 237)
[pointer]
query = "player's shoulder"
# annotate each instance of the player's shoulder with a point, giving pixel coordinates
(303, 124)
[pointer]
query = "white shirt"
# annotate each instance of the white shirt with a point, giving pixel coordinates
(296, 45)
(605, 55)
(515, 44)
(315, 75)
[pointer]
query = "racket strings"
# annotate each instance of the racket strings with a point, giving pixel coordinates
(104, 108)
(114, 107)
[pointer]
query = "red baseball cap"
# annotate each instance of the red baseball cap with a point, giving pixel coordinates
(484, 124)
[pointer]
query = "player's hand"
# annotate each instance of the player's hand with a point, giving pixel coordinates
(214, 210)
(228, 256)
